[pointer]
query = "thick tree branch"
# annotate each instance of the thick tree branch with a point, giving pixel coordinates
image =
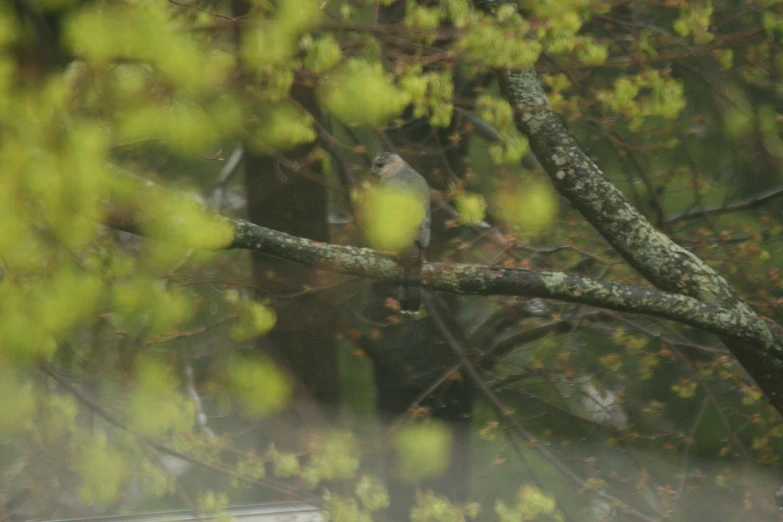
(664, 263)
(748, 337)
(578, 179)
(470, 279)
(492, 280)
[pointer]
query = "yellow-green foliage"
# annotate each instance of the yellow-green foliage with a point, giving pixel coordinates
(430, 507)
(248, 467)
(550, 9)
(346, 509)
(56, 421)
(558, 24)
(558, 84)
(532, 505)
(725, 58)
(274, 85)
(17, 396)
(497, 111)
(36, 313)
(334, 457)
(472, 208)
(322, 54)
(768, 124)
(422, 450)
(153, 83)
(686, 388)
(213, 504)
(179, 218)
(423, 20)
(70, 286)
(392, 217)
(144, 305)
(457, 11)
(274, 41)
(102, 470)
(772, 22)
(372, 493)
(633, 344)
(738, 118)
(647, 365)
(255, 320)
(529, 206)
(283, 127)
(751, 394)
(258, 385)
(192, 113)
(155, 480)
(753, 70)
(46, 175)
(8, 28)
(155, 406)
(183, 126)
(695, 19)
(590, 52)
(104, 32)
(360, 92)
(644, 95)
(499, 41)
(285, 464)
(612, 362)
(559, 32)
(431, 94)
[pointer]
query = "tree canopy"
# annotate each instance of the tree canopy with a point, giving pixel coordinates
(200, 301)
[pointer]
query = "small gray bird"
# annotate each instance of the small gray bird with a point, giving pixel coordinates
(395, 173)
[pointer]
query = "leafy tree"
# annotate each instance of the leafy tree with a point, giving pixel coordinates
(600, 337)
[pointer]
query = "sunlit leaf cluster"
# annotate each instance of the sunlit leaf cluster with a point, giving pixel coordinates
(165, 91)
(645, 95)
(360, 92)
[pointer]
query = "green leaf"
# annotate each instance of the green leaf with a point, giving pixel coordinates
(422, 450)
(258, 385)
(361, 93)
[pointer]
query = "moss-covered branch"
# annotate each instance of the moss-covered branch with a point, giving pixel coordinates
(153, 212)
(575, 176)
(659, 259)
(491, 280)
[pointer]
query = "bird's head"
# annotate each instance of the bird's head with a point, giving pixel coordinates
(386, 162)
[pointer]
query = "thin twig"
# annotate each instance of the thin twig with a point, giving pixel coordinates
(746, 204)
(506, 414)
(96, 407)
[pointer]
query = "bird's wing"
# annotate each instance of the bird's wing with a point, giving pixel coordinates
(424, 230)
(409, 180)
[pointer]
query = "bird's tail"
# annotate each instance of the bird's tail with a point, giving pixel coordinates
(410, 300)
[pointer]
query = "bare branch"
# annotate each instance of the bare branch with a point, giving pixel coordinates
(92, 403)
(754, 201)
(507, 416)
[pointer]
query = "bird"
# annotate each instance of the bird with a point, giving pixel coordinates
(395, 173)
